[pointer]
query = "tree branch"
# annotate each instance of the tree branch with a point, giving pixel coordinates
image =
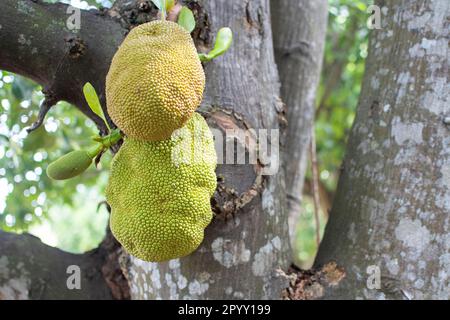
(315, 184)
(299, 29)
(49, 101)
(30, 269)
(37, 43)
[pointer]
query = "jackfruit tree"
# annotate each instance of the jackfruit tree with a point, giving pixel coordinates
(225, 226)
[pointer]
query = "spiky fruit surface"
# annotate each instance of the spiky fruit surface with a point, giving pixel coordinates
(159, 192)
(155, 81)
(69, 165)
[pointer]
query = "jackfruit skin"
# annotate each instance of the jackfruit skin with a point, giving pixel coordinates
(70, 165)
(160, 207)
(155, 81)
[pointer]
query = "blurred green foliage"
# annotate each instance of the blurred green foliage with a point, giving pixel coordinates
(64, 213)
(26, 193)
(61, 213)
(343, 68)
(337, 98)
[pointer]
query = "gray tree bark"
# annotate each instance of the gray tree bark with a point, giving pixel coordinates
(30, 269)
(392, 206)
(37, 43)
(299, 29)
(240, 256)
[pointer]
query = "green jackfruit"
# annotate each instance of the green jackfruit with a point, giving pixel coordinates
(69, 165)
(160, 192)
(155, 81)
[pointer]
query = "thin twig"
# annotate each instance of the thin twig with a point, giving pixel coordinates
(315, 183)
(48, 102)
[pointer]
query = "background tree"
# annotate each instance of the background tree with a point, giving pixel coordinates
(298, 52)
(392, 202)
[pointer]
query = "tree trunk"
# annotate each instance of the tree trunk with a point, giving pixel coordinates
(391, 208)
(240, 255)
(299, 29)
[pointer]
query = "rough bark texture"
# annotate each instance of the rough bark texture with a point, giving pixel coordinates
(248, 241)
(299, 29)
(240, 256)
(36, 43)
(30, 269)
(392, 206)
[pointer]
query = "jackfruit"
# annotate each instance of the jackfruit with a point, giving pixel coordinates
(155, 81)
(160, 192)
(69, 165)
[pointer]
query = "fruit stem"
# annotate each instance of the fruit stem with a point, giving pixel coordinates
(163, 10)
(104, 143)
(204, 57)
(112, 138)
(94, 150)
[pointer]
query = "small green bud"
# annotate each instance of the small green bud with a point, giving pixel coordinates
(70, 165)
(223, 42)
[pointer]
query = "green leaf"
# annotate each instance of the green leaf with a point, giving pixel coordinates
(223, 42)
(186, 19)
(92, 100)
